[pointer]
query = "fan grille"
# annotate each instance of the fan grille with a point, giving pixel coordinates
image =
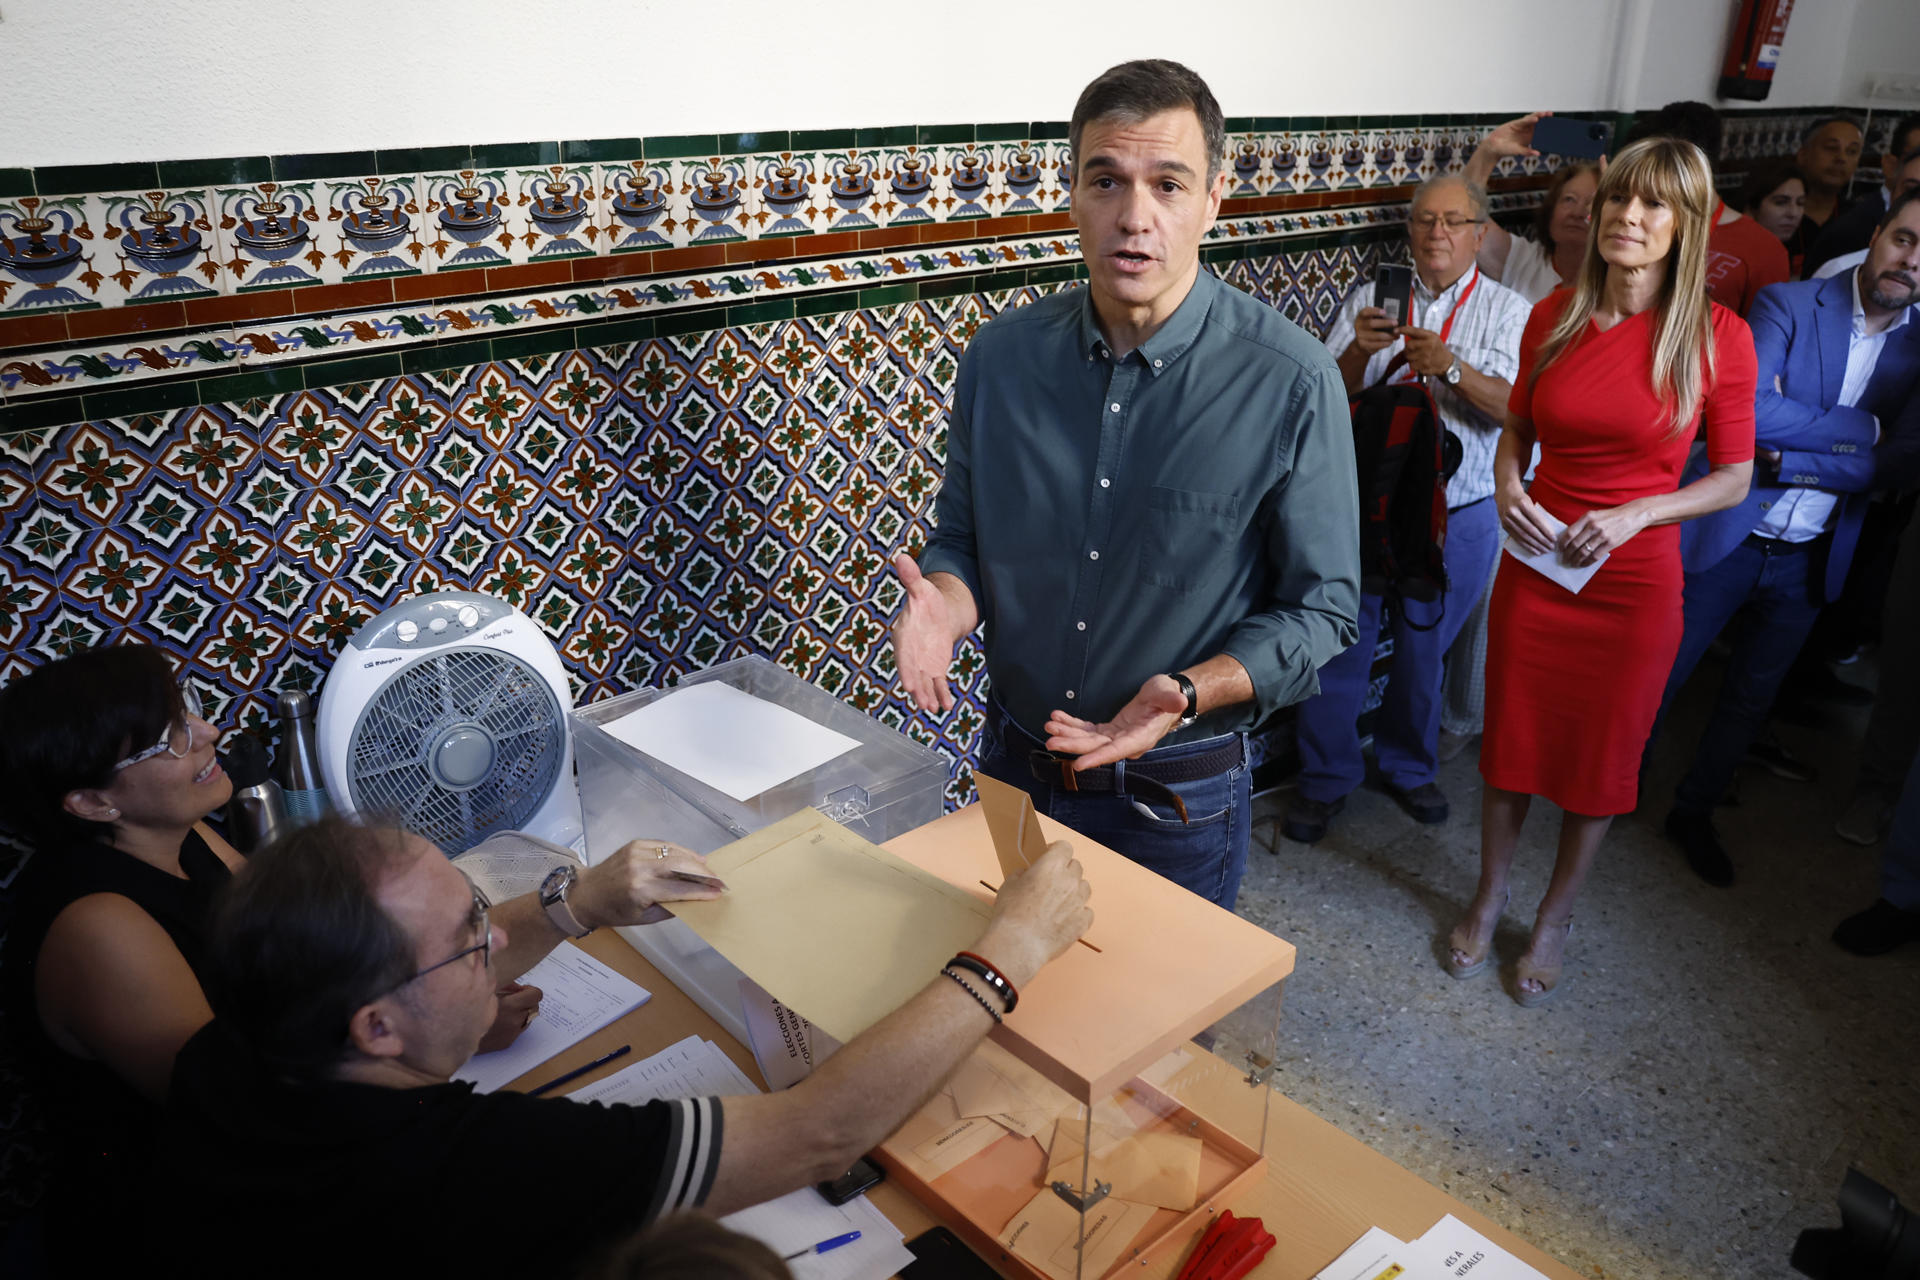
(390, 758)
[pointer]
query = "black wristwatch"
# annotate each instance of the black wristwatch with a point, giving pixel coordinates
(553, 897)
(1193, 699)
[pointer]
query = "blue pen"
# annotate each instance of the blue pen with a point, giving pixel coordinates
(825, 1245)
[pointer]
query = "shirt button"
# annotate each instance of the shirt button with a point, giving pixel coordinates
(1069, 695)
(1158, 363)
(1079, 626)
(1093, 555)
(1105, 483)
(1114, 407)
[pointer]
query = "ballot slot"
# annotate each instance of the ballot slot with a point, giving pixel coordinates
(884, 785)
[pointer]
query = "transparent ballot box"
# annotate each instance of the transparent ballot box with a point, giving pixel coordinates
(1124, 1103)
(875, 782)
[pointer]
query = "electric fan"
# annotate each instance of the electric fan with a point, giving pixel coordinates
(447, 715)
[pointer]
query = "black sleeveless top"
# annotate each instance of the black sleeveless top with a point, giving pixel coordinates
(102, 1129)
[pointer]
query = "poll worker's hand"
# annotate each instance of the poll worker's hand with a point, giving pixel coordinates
(627, 888)
(1429, 356)
(1525, 520)
(1152, 714)
(518, 1006)
(1037, 915)
(1372, 331)
(1515, 137)
(924, 633)
(1598, 533)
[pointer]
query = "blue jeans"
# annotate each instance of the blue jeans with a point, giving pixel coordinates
(1407, 726)
(1207, 854)
(1782, 585)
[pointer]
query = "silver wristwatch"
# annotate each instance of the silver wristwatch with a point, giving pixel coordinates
(1452, 376)
(553, 897)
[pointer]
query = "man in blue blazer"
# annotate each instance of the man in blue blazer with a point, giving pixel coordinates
(1836, 416)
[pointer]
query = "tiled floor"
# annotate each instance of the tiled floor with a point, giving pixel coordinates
(1692, 1098)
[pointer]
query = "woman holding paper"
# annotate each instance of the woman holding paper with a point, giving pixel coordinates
(1618, 375)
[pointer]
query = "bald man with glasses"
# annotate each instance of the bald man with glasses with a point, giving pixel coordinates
(314, 1127)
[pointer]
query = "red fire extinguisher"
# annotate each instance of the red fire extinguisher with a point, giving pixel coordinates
(1753, 49)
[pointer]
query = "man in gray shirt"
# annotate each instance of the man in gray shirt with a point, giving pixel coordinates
(1150, 501)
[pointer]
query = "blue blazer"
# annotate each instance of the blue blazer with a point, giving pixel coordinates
(1800, 335)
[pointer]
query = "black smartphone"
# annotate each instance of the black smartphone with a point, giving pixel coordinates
(1393, 292)
(864, 1176)
(939, 1255)
(1573, 139)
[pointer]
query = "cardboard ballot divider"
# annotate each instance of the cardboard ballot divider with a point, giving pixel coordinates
(1088, 1132)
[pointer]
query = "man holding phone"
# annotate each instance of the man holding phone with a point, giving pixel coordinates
(1461, 332)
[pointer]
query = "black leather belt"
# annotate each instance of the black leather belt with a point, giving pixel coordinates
(1148, 778)
(1781, 547)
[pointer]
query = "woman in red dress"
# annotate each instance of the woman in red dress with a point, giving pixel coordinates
(1617, 375)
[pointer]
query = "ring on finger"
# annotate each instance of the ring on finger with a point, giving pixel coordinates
(660, 852)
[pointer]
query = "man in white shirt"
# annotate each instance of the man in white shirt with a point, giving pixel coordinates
(1465, 342)
(1835, 417)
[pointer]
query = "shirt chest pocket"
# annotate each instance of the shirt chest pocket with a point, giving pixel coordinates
(1188, 536)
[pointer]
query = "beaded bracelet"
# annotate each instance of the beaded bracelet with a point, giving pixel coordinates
(967, 987)
(994, 978)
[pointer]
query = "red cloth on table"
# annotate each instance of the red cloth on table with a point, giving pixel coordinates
(1574, 681)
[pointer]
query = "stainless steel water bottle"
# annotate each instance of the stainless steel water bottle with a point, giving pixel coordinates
(297, 767)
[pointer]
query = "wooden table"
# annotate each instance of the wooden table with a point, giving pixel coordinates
(1323, 1188)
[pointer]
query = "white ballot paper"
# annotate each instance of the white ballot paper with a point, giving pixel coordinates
(1374, 1256)
(730, 740)
(1549, 562)
(579, 995)
(1455, 1251)
(693, 1068)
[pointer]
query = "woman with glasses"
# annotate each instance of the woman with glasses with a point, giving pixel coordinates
(110, 771)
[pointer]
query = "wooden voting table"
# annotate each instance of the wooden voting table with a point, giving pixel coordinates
(1322, 1191)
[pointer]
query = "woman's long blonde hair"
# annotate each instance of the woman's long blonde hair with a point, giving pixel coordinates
(1676, 174)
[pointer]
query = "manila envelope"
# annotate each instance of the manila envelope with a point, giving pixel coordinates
(1046, 1233)
(1015, 827)
(994, 1083)
(1153, 1168)
(959, 1139)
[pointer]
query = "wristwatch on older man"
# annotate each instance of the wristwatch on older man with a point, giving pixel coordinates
(1452, 376)
(553, 897)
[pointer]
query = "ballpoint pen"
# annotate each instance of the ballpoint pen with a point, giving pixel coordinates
(824, 1245)
(577, 1072)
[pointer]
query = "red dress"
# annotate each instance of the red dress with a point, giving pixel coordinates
(1574, 681)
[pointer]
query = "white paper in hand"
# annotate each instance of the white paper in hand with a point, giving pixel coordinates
(1572, 577)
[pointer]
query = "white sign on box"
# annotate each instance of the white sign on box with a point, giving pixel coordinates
(730, 740)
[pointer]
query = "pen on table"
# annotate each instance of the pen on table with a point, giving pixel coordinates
(824, 1245)
(577, 1072)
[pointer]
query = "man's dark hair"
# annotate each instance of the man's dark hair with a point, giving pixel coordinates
(1136, 90)
(65, 725)
(299, 943)
(1905, 137)
(1903, 201)
(1696, 122)
(1766, 177)
(688, 1246)
(1824, 121)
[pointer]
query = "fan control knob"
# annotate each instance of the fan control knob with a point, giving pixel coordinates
(437, 625)
(469, 616)
(407, 632)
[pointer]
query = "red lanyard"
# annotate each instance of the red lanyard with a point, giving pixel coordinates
(1399, 363)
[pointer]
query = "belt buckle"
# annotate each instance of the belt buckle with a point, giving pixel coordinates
(1068, 778)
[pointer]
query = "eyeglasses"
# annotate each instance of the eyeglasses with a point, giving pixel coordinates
(485, 944)
(177, 740)
(1428, 221)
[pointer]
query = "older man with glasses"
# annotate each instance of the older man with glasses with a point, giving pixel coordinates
(313, 1127)
(1464, 342)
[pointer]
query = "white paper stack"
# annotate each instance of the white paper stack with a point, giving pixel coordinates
(579, 995)
(1450, 1250)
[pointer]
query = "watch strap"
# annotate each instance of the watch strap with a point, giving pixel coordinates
(1192, 712)
(554, 901)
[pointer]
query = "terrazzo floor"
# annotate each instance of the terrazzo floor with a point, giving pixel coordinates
(1712, 1065)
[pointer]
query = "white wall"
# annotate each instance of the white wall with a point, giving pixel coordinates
(84, 81)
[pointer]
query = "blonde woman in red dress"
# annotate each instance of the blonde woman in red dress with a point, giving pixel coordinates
(1620, 374)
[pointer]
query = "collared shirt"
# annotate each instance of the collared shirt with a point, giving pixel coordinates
(1485, 334)
(1120, 518)
(1804, 514)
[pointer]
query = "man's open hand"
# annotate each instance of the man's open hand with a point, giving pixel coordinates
(1136, 730)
